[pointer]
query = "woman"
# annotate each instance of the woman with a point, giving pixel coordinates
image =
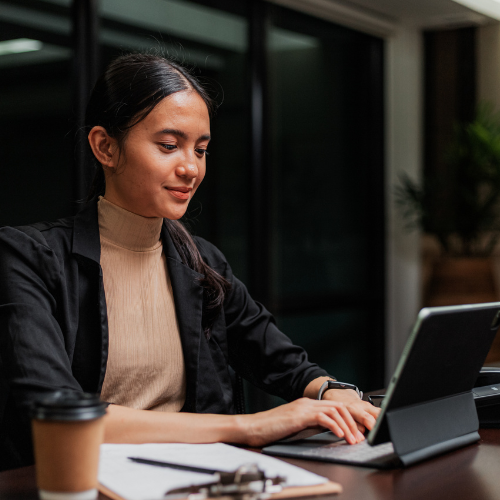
(120, 300)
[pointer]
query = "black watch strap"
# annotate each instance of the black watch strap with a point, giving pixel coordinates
(335, 384)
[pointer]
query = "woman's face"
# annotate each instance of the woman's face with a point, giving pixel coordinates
(163, 160)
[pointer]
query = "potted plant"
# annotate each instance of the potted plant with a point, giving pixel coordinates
(460, 205)
(460, 208)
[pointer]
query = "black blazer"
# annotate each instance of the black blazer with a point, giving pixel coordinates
(54, 329)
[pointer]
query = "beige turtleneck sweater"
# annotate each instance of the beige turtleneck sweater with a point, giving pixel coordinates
(145, 368)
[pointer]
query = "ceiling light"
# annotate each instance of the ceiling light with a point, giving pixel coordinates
(19, 45)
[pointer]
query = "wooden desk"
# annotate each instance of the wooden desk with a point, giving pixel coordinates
(471, 473)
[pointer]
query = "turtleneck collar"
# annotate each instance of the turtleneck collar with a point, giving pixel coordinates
(126, 229)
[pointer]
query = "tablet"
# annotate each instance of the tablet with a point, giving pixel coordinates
(429, 405)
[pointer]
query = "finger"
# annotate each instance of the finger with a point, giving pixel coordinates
(361, 427)
(362, 416)
(330, 424)
(345, 420)
(372, 410)
(340, 419)
(341, 414)
(350, 422)
(368, 421)
(372, 414)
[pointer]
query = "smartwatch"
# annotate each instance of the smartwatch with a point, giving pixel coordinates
(335, 384)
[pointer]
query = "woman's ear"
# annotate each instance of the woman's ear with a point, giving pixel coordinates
(104, 147)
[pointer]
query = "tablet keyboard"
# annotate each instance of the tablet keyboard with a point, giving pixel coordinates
(355, 453)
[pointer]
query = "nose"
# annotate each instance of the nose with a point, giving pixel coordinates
(188, 168)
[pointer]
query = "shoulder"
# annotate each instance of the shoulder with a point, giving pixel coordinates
(212, 255)
(39, 237)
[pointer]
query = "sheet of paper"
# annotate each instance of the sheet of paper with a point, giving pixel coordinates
(134, 481)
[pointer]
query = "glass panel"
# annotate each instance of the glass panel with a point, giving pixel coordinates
(213, 43)
(327, 187)
(35, 111)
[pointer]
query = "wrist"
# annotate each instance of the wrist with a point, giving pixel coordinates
(341, 395)
(336, 385)
(247, 431)
(311, 391)
(237, 430)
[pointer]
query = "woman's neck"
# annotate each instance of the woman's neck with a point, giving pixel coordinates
(126, 229)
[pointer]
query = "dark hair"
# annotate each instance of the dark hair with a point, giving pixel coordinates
(125, 94)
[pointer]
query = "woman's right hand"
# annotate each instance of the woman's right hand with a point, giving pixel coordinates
(265, 427)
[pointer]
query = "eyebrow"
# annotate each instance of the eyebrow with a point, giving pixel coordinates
(180, 133)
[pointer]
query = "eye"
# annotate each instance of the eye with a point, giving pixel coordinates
(169, 147)
(201, 151)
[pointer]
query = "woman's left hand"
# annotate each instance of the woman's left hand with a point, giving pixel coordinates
(364, 413)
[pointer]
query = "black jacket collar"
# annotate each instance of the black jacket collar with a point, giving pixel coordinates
(86, 240)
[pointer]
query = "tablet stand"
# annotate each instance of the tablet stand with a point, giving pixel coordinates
(423, 430)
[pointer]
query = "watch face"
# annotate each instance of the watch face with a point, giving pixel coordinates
(341, 385)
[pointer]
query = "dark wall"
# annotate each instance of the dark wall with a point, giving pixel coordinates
(450, 90)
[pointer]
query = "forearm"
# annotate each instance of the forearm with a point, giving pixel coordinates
(128, 425)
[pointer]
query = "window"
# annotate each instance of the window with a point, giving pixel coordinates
(326, 122)
(35, 111)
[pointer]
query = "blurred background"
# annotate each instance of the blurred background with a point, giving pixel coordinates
(336, 148)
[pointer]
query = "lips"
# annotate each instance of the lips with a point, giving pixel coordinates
(180, 192)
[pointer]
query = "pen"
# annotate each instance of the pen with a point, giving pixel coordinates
(170, 465)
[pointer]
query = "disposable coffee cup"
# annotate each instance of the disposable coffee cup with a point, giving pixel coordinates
(68, 430)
